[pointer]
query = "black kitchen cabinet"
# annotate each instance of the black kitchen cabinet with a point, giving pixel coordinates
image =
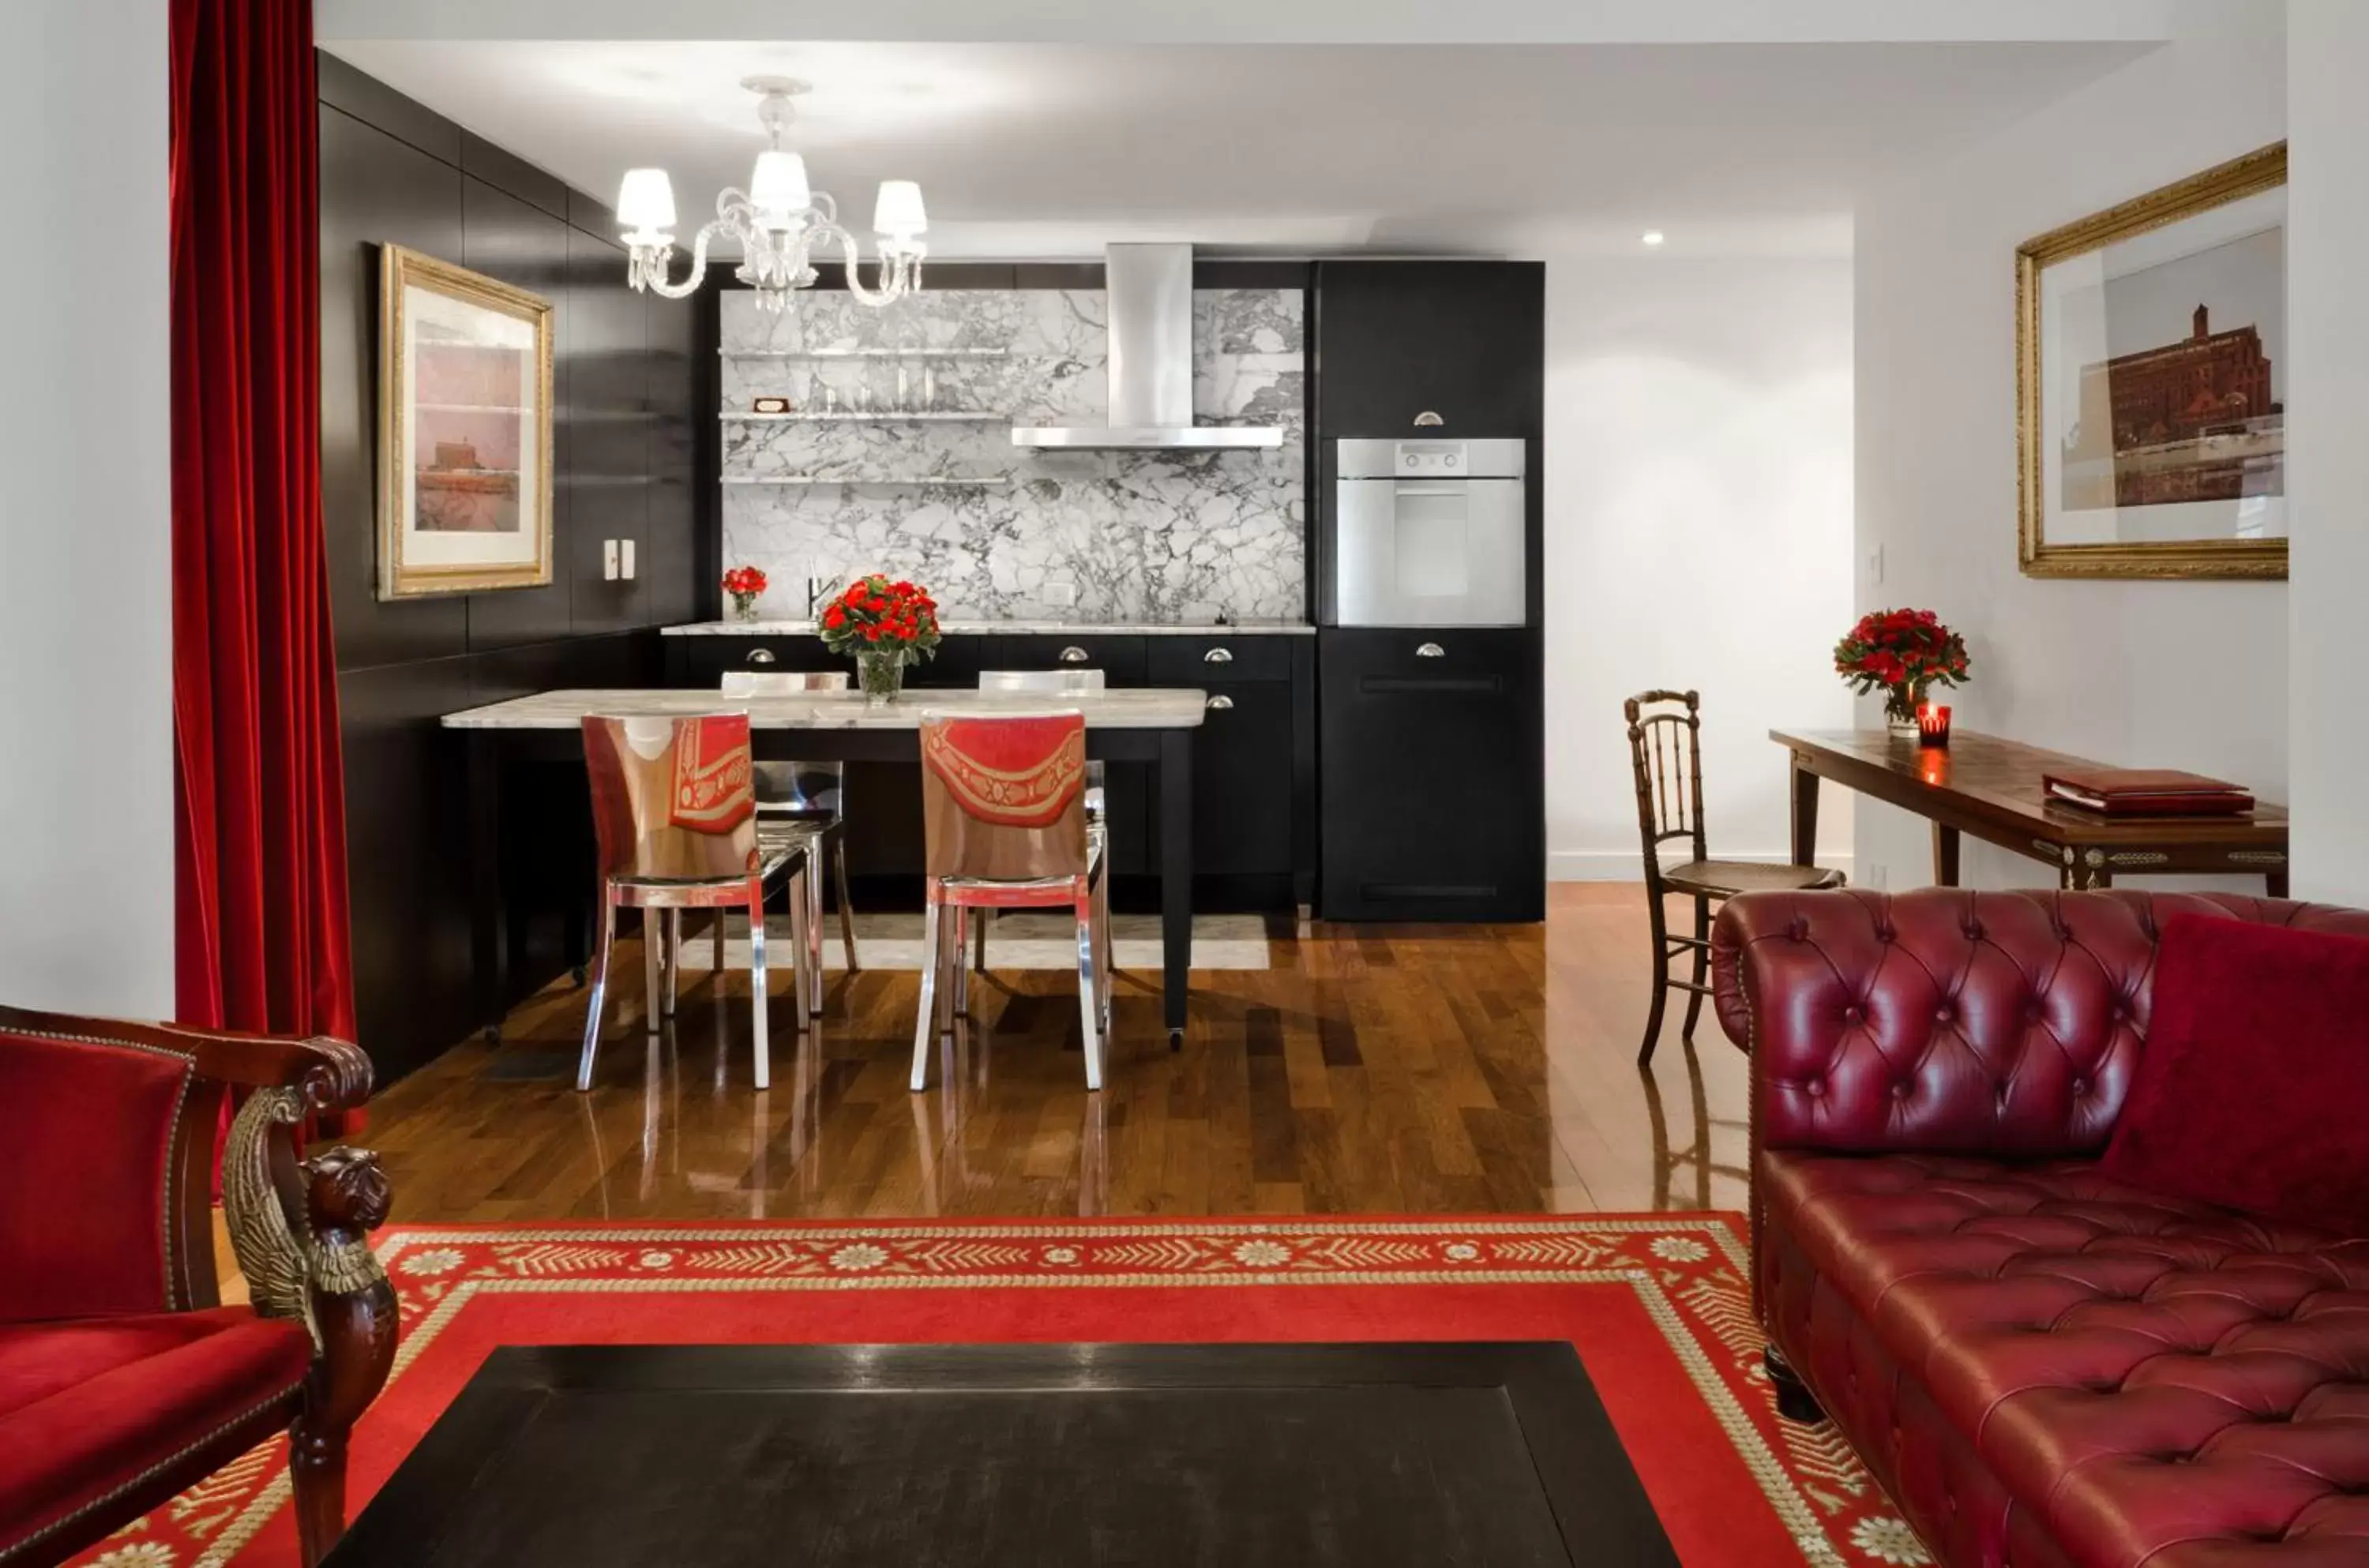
(1396, 341)
(1241, 799)
(1432, 797)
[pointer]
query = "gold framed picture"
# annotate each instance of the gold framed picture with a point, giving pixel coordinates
(464, 452)
(2151, 350)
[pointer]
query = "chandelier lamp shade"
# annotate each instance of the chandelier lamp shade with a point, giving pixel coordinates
(781, 223)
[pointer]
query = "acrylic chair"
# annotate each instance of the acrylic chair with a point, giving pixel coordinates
(1666, 754)
(675, 816)
(1044, 682)
(1003, 826)
(805, 800)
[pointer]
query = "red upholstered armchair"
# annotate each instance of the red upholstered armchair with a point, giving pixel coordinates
(123, 1380)
(2044, 1367)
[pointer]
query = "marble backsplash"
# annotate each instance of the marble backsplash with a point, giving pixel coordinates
(903, 461)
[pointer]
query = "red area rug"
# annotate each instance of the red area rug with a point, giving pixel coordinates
(1659, 1307)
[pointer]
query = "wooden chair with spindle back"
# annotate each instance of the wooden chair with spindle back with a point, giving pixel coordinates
(1003, 826)
(1665, 752)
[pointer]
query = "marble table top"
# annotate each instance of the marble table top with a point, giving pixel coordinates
(1136, 707)
(1050, 628)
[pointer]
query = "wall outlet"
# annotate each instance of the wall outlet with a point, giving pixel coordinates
(609, 560)
(1062, 595)
(625, 567)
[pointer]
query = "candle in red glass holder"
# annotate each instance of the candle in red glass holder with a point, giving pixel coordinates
(1933, 723)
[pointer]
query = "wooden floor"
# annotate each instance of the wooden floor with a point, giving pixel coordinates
(1373, 1069)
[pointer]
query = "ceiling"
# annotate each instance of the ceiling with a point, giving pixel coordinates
(1039, 149)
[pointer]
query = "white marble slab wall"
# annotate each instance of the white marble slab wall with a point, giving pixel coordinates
(1000, 531)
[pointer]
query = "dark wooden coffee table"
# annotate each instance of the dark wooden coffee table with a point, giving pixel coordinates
(1228, 1455)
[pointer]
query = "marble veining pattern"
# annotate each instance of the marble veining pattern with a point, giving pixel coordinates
(1003, 531)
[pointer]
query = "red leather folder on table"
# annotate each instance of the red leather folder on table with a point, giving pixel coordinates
(2147, 792)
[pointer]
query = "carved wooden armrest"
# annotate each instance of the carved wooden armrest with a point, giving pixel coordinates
(302, 1233)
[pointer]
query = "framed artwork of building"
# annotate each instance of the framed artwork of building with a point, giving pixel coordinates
(2151, 372)
(464, 454)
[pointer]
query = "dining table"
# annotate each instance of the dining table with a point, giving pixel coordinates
(1152, 725)
(1993, 789)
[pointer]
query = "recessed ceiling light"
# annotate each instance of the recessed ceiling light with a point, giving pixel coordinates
(1652, 236)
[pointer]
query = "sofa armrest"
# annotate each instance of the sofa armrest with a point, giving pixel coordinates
(1944, 1021)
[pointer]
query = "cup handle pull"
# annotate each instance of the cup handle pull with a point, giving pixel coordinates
(1220, 704)
(1073, 656)
(1218, 656)
(761, 655)
(1427, 419)
(1430, 650)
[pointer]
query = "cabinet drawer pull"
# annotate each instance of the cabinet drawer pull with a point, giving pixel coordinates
(1073, 656)
(761, 655)
(1220, 704)
(1218, 656)
(1430, 650)
(1425, 419)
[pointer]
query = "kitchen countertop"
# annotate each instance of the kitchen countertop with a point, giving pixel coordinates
(1127, 709)
(1050, 628)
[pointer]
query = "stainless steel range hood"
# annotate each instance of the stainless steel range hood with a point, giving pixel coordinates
(1150, 290)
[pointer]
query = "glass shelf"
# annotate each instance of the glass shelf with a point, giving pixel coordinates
(949, 481)
(918, 417)
(865, 353)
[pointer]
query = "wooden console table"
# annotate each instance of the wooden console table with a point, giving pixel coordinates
(1990, 788)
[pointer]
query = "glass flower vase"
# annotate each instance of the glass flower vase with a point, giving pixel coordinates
(744, 607)
(1900, 705)
(881, 676)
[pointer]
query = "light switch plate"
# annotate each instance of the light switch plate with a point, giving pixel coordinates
(628, 545)
(1875, 565)
(609, 567)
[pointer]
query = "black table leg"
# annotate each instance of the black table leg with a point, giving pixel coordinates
(1805, 814)
(1175, 876)
(488, 927)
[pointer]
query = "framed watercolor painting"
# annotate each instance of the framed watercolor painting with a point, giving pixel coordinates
(464, 454)
(2151, 370)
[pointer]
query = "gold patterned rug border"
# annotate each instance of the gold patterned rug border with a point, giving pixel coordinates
(1760, 1461)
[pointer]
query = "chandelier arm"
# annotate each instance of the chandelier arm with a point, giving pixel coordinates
(654, 270)
(893, 277)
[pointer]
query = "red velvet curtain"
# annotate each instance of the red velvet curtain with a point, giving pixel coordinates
(260, 842)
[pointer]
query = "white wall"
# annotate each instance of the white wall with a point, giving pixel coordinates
(85, 688)
(2327, 251)
(2164, 674)
(1697, 534)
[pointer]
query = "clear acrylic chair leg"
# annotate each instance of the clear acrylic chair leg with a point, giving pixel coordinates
(925, 1019)
(600, 991)
(846, 904)
(1089, 1006)
(761, 1047)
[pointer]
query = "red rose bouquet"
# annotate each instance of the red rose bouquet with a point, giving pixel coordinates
(887, 626)
(1900, 653)
(744, 584)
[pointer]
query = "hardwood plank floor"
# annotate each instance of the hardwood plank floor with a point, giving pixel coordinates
(1374, 1070)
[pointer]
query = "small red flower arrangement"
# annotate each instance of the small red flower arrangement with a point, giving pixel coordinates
(887, 626)
(744, 584)
(1900, 653)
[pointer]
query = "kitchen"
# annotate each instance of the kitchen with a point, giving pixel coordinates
(1306, 491)
(1163, 533)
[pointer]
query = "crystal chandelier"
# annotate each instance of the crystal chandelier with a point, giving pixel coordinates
(779, 221)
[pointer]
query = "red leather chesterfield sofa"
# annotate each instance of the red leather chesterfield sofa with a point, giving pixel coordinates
(2041, 1366)
(122, 1381)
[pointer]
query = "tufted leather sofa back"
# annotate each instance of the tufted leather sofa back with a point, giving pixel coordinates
(1945, 1021)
